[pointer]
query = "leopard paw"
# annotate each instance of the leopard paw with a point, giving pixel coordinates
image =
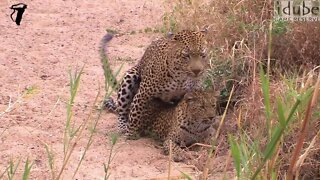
(110, 105)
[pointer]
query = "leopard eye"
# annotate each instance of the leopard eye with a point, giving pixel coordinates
(185, 54)
(202, 106)
(189, 99)
(203, 55)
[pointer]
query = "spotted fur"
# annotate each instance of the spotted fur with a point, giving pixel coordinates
(193, 120)
(170, 67)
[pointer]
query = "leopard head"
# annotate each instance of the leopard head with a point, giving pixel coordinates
(198, 110)
(190, 53)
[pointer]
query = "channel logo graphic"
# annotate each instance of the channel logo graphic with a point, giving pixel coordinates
(20, 8)
(297, 10)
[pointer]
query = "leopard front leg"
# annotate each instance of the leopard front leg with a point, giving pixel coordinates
(178, 153)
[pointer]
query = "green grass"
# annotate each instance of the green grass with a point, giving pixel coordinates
(73, 132)
(12, 168)
(27, 170)
(10, 171)
(249, 159)
(114, 138)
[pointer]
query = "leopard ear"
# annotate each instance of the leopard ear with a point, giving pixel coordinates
(204, 29)
(170, 34)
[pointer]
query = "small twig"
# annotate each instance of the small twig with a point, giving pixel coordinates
(305, 154)
(163, 178)
(228, 160)
(11, 105)
(170, 158)
(205, 172)
(200, 144)
(206, 168)
(224, 114)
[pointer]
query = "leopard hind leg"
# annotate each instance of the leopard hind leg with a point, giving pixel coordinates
(127, 90)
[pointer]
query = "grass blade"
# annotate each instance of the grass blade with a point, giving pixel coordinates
(92, 131)
(275, 139)
(185, 176)
(12, 169)
(281, 116)
(312, 103)
(114, 138)
(50, 161)
(266, 94)
(27, 169)
(4, 172)
(236, 154)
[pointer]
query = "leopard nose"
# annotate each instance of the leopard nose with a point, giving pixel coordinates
(196, 71)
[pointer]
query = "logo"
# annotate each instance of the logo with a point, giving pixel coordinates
(20, 8)
(297, 10)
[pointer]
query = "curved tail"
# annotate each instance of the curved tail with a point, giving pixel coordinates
(110, 79)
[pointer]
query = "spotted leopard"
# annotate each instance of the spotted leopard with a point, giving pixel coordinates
(193, 120)
(170, 67)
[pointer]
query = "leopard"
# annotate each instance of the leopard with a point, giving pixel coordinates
(193, 120)
(170, 67)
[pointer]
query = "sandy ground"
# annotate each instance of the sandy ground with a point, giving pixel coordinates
(54, 37)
